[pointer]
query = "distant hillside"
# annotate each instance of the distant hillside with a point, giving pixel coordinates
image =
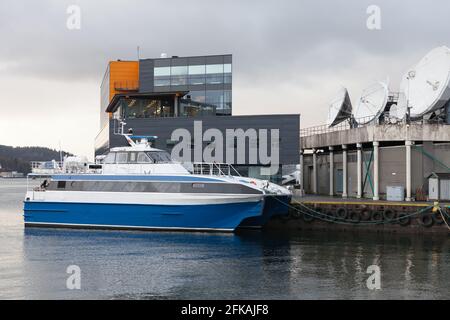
(19, 158)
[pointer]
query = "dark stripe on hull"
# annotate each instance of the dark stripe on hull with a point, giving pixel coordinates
(152, 186)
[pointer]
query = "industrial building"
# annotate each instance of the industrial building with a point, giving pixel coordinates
(363, 162)
(157, 96)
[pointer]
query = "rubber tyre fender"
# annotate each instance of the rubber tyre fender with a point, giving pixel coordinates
(389, 214)
(342, 213)
(308, 216)
(366, 214)
(376, 216)
(404, 220)
(355, 217)
(426, 220)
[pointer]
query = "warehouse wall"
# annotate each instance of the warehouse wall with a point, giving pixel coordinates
(392, 168)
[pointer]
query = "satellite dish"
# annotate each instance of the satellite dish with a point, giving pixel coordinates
(397, 111)
(340, 108)
(372, 102)
(426, 86)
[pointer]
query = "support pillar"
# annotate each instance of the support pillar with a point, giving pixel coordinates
(300, 174)
(314, 177)
(344, 171)
(376, 191)
(359, 170)
(331, 171)
(408, 145)
(175, 106)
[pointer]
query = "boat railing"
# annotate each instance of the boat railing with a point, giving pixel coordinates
(46, 167)
(215, 169)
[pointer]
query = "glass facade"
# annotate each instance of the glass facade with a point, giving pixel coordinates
(192, 75)
(208, 80)
(132, 108)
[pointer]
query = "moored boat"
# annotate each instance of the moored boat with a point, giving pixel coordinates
(140, 187)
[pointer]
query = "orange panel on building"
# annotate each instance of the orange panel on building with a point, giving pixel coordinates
(120, 77)
(123, 77)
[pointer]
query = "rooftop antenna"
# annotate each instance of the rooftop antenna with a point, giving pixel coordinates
(138, 52)
(60, 153)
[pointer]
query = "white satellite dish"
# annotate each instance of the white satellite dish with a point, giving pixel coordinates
(398, 110)
(426, 86)
(340, 108)
(372, 103)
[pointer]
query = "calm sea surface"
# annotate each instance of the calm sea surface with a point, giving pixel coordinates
(154, 265)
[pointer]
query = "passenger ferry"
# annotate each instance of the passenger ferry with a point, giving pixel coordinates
(140, 187)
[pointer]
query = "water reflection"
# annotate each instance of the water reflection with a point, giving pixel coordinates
(247, 265)
(251, 265)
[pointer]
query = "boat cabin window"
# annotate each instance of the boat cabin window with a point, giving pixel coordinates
(132, 157)
(159, 156)
(110, 158)
(122, 157)
(142, 158)
(138, 157)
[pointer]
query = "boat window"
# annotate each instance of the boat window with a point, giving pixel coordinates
(61, 185)
(110, 158)
(121, 157)
(132, 157)
(159, 156)
(142, 158)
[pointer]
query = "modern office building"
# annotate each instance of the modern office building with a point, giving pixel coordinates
(158, 96)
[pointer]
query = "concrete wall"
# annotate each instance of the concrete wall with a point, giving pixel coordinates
(392, 167)
(385, 132)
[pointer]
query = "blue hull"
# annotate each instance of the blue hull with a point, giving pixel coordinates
(211, 217)
(273, 205)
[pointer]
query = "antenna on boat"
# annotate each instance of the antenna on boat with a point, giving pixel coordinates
(60, 153)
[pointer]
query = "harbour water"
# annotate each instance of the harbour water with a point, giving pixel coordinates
(249, 265)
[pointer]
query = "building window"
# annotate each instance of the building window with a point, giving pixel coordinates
(147, 108)
(215, 98)
(214, 73)
(179, 76)
(162, 81)
(162, 71)
(227, 73)
(197, 75)
(162, 76)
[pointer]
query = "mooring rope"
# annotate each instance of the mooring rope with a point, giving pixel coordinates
(344, 221)
(443, 218)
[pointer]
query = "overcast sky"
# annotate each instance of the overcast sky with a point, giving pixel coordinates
(288, 56)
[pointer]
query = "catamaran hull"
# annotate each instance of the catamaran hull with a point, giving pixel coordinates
(273, 205)
(224, 217)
